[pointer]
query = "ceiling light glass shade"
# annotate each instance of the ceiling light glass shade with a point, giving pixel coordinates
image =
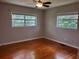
(39, 5)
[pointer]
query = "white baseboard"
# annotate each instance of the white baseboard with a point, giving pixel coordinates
(62, 42)
(20, 41)
(38, 38)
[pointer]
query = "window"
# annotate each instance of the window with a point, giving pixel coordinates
(67, 21)
(23, 20)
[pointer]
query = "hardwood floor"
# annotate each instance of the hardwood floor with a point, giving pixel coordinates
(37, 49)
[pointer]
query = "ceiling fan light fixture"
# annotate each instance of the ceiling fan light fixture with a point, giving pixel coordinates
(39, 5)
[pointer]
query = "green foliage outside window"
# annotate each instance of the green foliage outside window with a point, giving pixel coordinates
(67, 21)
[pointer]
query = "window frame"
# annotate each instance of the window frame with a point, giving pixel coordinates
(57, 20)
(36, 20)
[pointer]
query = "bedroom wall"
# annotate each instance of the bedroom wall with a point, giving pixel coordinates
(69, 37)
(64, 35)
(0, 23)
(9, 34)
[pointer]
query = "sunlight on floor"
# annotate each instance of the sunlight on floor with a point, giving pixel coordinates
(24, 55)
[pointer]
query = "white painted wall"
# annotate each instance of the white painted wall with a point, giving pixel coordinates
(9, 34)
(63, 35)
(70, 37)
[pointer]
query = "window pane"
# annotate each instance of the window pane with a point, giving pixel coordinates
(67, 21)
(14, 16)
(23, 20)
(31, 22)
(68, 17)
(30, 17)
(17, 23)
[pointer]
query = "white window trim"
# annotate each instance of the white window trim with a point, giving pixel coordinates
(36, 21)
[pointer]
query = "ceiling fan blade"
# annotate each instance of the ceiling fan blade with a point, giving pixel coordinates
(45, 5)
(37, 1)
(34, 1)
(46, 2)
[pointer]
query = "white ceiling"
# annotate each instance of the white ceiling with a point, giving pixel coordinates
(30, 3)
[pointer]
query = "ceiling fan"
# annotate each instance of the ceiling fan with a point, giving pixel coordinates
(40, 3)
